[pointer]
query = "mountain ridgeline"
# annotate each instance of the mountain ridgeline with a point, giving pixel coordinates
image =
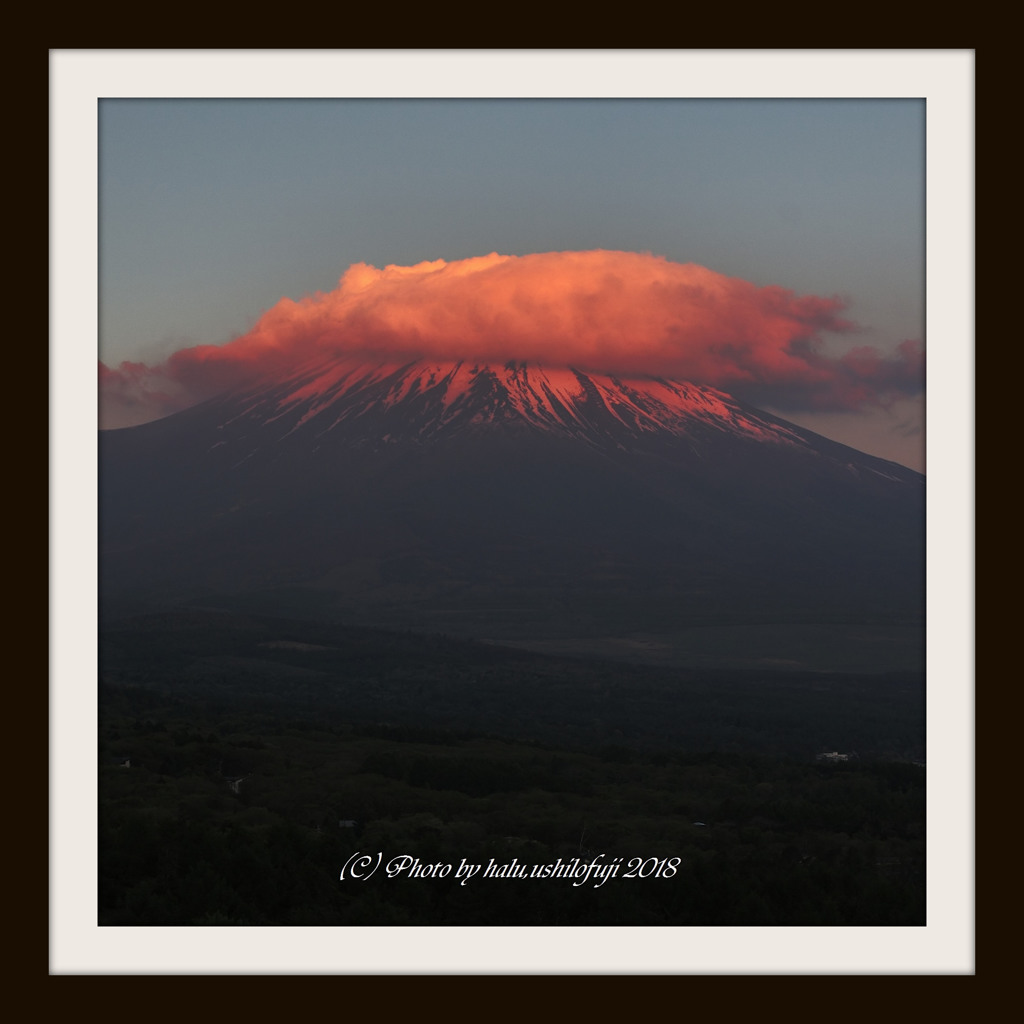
(527, 504)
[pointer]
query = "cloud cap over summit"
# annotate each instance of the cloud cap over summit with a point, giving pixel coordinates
(600, 310)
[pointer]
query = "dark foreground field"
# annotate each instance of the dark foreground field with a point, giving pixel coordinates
(267, 756)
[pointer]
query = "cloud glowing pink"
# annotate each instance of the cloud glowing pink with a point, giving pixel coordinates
(612, 312)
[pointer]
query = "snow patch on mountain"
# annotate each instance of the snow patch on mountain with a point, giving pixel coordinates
(422, 398)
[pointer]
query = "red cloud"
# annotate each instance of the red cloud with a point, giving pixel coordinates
(618, 312)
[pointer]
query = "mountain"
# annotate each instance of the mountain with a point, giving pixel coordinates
(512, 501)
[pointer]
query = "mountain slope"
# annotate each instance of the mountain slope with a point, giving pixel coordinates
(476, 498)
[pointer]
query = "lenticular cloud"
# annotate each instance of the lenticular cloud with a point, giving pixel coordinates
(612, 312)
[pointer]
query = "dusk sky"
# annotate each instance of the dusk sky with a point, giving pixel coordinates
(212, 211)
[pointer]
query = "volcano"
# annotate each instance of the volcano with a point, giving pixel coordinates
(501, 500)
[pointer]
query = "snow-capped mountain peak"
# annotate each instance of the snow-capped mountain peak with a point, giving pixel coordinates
(387, 402)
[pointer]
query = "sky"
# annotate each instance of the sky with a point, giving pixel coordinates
(773, 248)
